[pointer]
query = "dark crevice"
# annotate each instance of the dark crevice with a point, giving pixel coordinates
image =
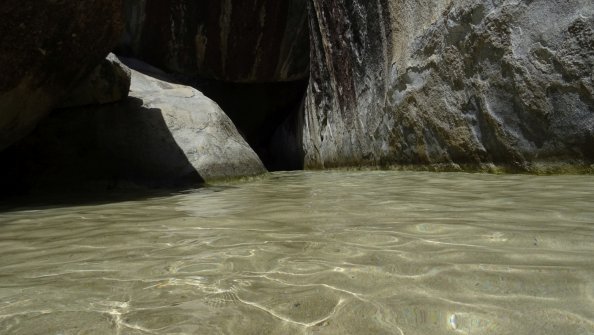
(266, 114)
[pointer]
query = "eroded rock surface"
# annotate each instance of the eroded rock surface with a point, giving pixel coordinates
(45, 48)
(450, 82)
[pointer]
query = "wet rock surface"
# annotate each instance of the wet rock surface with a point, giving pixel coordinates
(450, 82)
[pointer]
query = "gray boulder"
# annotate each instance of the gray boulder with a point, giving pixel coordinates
(451, 82)
(162, 135)
(208, 138)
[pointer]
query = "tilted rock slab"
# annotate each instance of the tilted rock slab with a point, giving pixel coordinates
(450, 82)
(207, 136)
(162, 135)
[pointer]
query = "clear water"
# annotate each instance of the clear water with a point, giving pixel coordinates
(310, 253)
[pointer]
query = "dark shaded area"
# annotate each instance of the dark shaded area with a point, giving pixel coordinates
(52, 39)
(249, 56)
(47, 199)
(45, 48)
(98, 148)
(285, 146)
(260, 111)
(59, 198)
(236, 40)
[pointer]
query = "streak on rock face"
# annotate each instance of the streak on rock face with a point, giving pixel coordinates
(230, 40)
(350, 53)
(454, 82)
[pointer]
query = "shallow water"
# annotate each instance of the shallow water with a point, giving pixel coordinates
(310, 253)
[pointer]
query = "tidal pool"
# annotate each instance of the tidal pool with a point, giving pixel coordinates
(378, 252)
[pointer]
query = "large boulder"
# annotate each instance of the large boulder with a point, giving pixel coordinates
(450, 82)
(46, 47)
(162, 135)
(204, 133)
(232, 40)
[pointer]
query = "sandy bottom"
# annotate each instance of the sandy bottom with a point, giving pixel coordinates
(310, 253)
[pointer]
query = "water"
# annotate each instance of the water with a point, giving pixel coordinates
(310, 253)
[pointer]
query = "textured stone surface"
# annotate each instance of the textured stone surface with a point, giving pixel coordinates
(349, 53)
(46, 47)
(208, 138)
(230, 40)
(164, 134)
(109, 82)
(450, 82)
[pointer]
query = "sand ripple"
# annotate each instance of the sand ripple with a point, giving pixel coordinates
(310, 253)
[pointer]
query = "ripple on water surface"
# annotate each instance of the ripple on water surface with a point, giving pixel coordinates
(310, 253)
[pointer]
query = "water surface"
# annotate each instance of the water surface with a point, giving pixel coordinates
(310, 253)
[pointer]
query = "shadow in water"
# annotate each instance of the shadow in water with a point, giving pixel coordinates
(85, 154)
(41, 199)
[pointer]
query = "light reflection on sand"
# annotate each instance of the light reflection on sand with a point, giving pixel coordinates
(310, 253)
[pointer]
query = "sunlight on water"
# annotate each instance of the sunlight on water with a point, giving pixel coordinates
(310, 253)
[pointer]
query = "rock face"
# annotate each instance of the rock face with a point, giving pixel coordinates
(230, 40)
(450, 82)
(45, 48)
(163, 135)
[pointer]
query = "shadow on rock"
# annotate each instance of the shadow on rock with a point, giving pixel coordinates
(99, 148)
(163, 136)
